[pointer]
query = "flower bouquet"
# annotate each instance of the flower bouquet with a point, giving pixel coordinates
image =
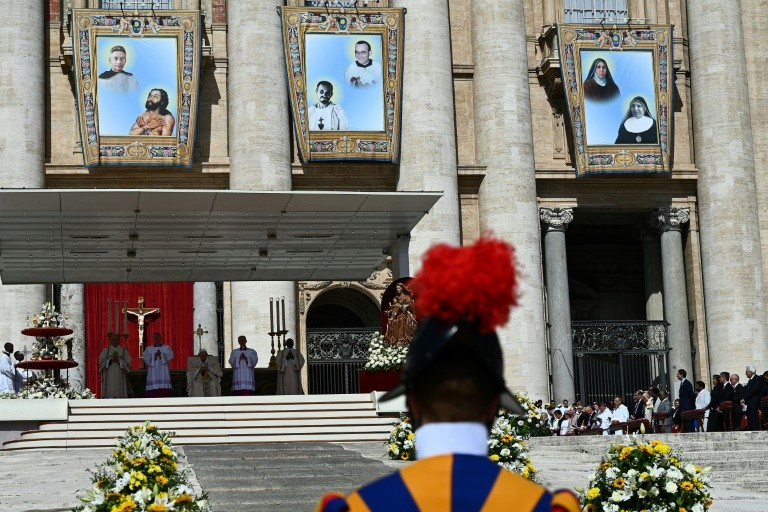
(384, 356)
(400, 445)
(47, 387)
(533, 424)
(506, 447)
(646, 477)
(142, 474)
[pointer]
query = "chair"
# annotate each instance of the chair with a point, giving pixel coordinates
(727, 409)
(696, 414)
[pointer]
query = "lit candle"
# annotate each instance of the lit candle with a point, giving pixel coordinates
(109, 315)
(283, 304)
(271, 319)
(125, 317)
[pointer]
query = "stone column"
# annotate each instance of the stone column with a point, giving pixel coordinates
(730, 244)
(22, 142)
(205, 316)
(259, 147)
(428, 158)
(754, 18)
(73, 310)
(669, 221)
(555, 222)
(654, 304)
(507, 198)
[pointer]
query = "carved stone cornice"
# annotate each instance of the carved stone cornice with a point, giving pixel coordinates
(668, 219)
(556, 219)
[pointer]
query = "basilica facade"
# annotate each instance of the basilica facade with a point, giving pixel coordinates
(624, 277)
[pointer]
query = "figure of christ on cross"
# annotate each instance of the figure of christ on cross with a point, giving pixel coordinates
(141, 313)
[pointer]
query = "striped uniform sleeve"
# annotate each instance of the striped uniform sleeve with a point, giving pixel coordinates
(565, 501)
(332, 502)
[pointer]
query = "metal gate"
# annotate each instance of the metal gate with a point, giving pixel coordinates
(334, 357)
(616, 358)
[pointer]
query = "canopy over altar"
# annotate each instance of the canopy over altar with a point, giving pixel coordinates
(82, 236)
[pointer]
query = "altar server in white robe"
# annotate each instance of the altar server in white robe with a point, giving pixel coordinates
(289, 364)
(243, 360)
(203, 375)
(7, 370)
(157, 358)
(114, 364)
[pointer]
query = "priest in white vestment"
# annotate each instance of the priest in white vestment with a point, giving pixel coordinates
(243, 360)
(7, 370)
(289, 365)
(114, 364)
(157, 358)
(203, 375)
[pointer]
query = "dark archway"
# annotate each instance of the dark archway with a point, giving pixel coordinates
(340, 324)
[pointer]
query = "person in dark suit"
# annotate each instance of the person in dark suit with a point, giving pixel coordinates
(687, 397)
(715, 416)
(738, 393)
(638, 406)
(751, 398)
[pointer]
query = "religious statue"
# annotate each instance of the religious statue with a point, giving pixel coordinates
(401, 317)
(141, 313)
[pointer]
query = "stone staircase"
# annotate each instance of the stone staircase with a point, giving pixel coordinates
(738, 461)
(210, 421)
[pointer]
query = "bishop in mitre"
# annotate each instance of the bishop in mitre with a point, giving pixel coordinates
(289, 364)
(114, 364)
(203, 375)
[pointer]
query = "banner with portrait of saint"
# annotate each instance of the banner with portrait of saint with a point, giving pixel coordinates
(619, 87)
(345, 74)
(137, 85)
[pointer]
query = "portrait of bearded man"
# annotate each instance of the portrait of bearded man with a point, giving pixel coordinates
(157, 119)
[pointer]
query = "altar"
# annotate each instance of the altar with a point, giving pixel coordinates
(265, 378)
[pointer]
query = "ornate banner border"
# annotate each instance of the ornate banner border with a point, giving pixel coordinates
(138, 150)
(609, 158)
(313, 145)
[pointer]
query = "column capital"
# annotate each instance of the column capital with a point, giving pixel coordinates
(670, 219)
(556, 219)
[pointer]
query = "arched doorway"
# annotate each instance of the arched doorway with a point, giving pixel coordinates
(340, 323)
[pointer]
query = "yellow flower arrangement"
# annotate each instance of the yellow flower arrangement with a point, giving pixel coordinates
(638, 476)
(141, 474)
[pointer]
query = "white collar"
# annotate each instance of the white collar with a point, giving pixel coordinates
(467, 438)
(600, 81)
(634, 125)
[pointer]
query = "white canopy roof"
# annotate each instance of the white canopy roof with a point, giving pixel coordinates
(83, 236)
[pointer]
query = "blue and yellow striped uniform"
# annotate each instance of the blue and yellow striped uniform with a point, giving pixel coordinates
(455, 483)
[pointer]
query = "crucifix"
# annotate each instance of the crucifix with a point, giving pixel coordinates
(141, 313)
(199, 333)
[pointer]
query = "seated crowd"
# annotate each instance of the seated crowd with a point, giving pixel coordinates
(729, 405)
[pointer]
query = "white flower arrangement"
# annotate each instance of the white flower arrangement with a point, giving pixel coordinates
(646, 477)
(533, 424)
(401, 443)
(142, 475)
(48, 388)
(506, 446)
(383, 356)
(47, 317)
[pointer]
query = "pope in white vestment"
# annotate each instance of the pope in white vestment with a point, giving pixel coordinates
(203, 375)
(289, 365)
(157, 358)
(243, 360)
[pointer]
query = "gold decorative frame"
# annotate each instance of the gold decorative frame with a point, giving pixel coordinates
(149, 28)
(606, 157)
(369, 145)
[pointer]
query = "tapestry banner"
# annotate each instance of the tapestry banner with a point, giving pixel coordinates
(345, 81)
(137, 85)
(619, 87)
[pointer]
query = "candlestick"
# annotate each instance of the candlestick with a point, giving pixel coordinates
(125, 318)
(282, 300)
(117, 316)
(277, 314)
(109, 315)
(271, 320)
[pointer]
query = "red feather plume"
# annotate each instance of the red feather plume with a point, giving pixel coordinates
(477, 282)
